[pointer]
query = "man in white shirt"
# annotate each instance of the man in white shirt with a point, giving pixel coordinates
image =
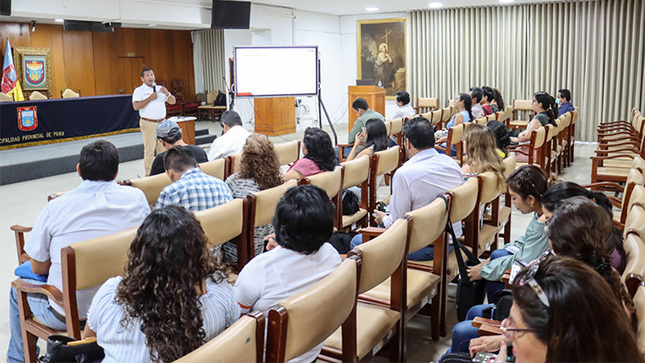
(404, 110)
(425, 176)
(233, 140)
(150, 100)
(97, 207)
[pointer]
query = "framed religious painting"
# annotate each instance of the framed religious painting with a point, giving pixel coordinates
(382, 53)
(33, 66)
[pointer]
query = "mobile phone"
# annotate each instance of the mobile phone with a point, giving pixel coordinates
(484, 357)
(364, 129)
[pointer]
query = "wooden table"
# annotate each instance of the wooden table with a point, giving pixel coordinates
(187, 125)
(210, 110)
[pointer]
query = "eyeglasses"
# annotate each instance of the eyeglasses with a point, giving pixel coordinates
(509, 331)
(529, 278)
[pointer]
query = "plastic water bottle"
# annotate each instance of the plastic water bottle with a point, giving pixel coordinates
(380, 84)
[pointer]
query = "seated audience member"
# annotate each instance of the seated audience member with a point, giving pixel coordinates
(463, 104)
(481, 150)
(318, 154)
(564, 101)
(364, 112)
(487, 98)
(97, 207)
(497, 104)
(232, 141)
(561, 191)
(174, 297)
(375, 136)
(403, 104)
(418, 182)
(170, 135)
(476, 95)
(546, 113)
(303, 222)
(191, 188)
(502, 136)
(559, 290)
(526, 185)
(259, 170)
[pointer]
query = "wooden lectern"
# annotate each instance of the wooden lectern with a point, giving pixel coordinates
(275, 116)
(374, 95)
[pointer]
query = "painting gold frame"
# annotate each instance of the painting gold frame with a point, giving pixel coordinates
(387, 65)
(20, 54)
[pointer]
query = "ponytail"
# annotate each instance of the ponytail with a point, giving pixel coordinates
(468, 103)
(548, 103)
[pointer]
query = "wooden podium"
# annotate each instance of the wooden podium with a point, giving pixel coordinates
(275, 116)
(374, 95)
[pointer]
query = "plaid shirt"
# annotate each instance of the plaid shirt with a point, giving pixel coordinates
(195, 191)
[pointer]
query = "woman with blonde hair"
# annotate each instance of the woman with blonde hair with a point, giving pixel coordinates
(259, 170)
(481, 150)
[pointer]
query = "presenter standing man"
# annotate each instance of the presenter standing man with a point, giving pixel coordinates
(150, 100)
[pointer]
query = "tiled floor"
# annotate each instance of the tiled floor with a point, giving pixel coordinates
(21, 203)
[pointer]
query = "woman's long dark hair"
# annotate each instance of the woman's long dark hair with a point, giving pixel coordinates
(549, 105)
(499, 99)
(376, 134)
(167, 261)
(319, 148)
(583, 322)
(468, 103)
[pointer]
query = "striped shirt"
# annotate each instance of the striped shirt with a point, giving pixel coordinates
(128, 344)
(195, 191)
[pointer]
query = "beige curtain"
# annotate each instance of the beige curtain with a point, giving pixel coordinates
(210, 60)
(594, 48)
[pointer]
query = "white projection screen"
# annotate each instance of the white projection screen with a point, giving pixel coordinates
(276, 71)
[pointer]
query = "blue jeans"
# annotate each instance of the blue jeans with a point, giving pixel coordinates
(424, 254)
(39, 305)
(464, 331)
(494, 286)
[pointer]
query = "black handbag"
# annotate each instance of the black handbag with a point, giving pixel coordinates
(350, 203)
(58, 350)
(469, 293)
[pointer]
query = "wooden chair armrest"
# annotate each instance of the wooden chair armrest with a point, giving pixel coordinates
(487, 330)
(20, 229)
(615, 202)
(610, 157)
(51, 291)
(606, 152)
(437, 147)
(478, 322)
(126, 182)
(341, 148)
(604, 186)
(371, 231)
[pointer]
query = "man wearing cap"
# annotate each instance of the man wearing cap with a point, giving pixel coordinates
(150, 100)
(169, 134)
(233, 140)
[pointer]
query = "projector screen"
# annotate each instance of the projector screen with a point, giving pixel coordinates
(276, 71)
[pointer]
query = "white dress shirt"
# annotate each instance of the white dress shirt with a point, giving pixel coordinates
(154, 110)
(404, 111)
(231, 143)
(94, 209)
(420, 181)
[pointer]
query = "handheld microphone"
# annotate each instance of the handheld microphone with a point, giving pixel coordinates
(154, 87)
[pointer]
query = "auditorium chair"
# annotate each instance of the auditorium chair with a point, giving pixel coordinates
(520, 105)
(5, 97)
(228, 222)
(331, 182)
(288, 152)
(234, 163)
(303, 321)
(188, 107)
(241, 342)
(151, 186)
(634, 272)
(68, 93)
(383, 162)
(489, 192)
(536, 154)
(35, 95)
(382, 258)
(455, 134)
(356, 173)
(424, 102)
(216, 168)
(504, 219)
(84, 265)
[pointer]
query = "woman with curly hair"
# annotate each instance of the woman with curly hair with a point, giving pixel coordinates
(319, 155)
(259, 170)
(174, 297)
(481, 150)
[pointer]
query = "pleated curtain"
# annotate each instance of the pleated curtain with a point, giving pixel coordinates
(594, 48)
(210, 60)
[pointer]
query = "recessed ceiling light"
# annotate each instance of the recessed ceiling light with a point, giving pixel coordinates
(59, 20)
(435, 5)
(506, 1)
(371, 9)
(151, 25)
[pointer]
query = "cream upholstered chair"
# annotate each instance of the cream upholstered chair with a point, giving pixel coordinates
(383, 162)
(234, 163)
(288, 152)
(505, 115)
(536, 150)
(210, 97)
(382, 258)
(520, 105)
(639, 304)
(35, 95)
(396, 129)
(489, 192)
(635, 222)
(241, 342)
(504, 217)
(68, 93)
(84, 265)
(356, 173)
(5, 97)
(455, 134)
(216, 168)
(424, 102)
(634, 273)
(301, 322)
(151, 186)
(331, 182)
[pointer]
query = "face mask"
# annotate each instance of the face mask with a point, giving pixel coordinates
(557, 100)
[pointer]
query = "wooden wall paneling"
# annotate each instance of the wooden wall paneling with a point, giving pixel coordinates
(79, 62)
(51, 36)
(130, 73)
(183, 62)
(104, 62)
(157, 54)
(18, 35)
